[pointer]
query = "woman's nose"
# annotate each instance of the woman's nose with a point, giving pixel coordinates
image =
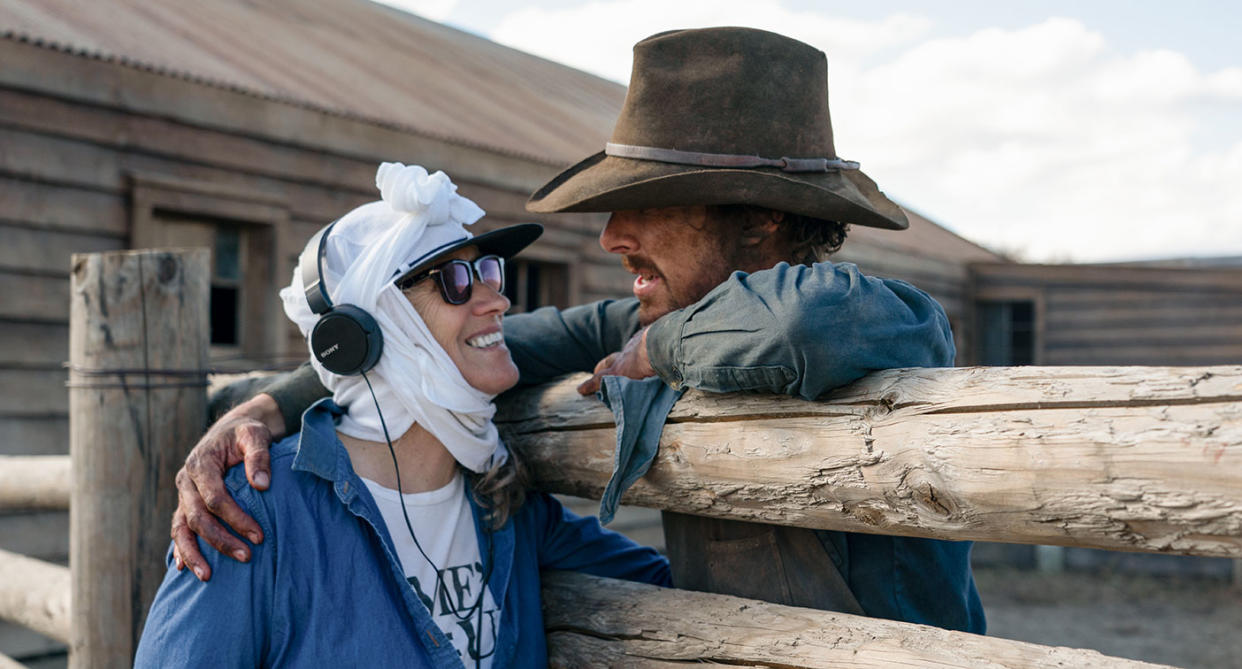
(485, 300)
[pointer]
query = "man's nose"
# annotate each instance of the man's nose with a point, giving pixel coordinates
(618, 235)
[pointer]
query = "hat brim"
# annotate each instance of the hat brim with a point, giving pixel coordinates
(608, 183)
(505, 242)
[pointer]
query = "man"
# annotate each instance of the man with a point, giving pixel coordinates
(720, 171)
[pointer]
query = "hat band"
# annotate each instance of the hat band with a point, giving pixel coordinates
(726, 159)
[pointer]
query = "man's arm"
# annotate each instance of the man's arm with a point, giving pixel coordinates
(545, 344)
(799, 330)
(794, 330)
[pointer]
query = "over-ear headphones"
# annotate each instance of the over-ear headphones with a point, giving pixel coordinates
(346, 340)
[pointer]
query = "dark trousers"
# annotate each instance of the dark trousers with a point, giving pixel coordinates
(782, 565)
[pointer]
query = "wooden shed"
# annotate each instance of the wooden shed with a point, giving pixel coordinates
(244, 127)
(1136, 314)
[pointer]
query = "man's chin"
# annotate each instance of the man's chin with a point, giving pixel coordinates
(650, 311)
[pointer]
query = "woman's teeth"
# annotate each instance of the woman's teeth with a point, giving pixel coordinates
(485, 341)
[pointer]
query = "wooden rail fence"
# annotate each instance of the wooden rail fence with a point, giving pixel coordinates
(1121, 458)
(1145, 459)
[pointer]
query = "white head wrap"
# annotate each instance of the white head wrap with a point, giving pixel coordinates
(415, 381)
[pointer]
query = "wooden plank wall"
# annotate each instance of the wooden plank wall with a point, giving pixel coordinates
(70, 145)
(1113, 315)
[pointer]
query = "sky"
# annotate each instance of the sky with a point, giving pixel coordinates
(1051, 131)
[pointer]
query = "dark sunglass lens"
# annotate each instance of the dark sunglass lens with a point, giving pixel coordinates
(492, 272)
(455, 277)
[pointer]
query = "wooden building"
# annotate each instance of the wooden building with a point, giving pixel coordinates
(245, 126)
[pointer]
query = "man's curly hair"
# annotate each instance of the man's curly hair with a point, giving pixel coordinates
(812, 239)
(809, 240)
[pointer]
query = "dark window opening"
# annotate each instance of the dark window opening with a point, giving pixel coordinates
(224, 305)
(226, 286)
(1006, 333)
(530, 284)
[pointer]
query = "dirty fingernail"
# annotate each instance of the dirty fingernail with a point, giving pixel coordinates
(240, 555)
(254, 537)
(198, 571)
(261, 478)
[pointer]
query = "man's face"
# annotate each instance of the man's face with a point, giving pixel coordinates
(678, 253)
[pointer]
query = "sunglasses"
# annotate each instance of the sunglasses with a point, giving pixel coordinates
(456, 277)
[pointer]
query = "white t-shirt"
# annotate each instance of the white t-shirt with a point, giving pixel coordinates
(444, 525)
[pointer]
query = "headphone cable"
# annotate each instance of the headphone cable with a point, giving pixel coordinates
(487, 576)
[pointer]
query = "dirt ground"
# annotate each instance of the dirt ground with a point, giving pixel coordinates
(1184, 622)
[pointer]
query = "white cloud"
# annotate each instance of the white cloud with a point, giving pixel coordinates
(598, 37)
(436, 10)
(1043, 139)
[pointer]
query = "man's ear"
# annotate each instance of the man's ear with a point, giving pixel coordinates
(760, 226)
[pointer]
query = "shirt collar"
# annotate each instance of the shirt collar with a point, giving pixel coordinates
(319, 451)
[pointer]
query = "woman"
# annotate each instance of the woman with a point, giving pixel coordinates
(401, 535)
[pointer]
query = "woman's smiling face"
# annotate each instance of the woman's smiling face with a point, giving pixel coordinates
(470, 333)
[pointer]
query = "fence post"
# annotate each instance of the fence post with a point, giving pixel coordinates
(138, 342)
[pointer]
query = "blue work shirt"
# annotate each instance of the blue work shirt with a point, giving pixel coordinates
(326, 589)
(799, 330)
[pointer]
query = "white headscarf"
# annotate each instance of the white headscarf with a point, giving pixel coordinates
(415, 381)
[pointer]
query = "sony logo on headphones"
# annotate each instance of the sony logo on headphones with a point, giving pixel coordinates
(328, 351)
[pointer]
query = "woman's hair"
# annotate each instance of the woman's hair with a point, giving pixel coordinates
(501, 490)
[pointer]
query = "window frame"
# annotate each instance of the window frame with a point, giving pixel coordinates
(1033, 295)
(263, 223)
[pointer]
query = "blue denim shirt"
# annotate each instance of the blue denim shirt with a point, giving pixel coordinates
(795, 330)
(325, 588)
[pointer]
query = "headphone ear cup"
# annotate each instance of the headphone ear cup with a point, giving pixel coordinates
(347, 340)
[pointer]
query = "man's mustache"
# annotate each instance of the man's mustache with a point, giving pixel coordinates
(638, 265)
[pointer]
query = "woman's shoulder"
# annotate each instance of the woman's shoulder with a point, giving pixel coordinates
(284, 483)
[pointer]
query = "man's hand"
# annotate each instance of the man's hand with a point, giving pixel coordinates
(631, 361)
(241, 435)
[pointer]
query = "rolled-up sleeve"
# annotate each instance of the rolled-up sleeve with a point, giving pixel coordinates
(799, 330)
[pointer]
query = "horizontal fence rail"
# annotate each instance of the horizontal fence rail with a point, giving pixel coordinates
(1121, 458)
(594, 622)
(35, 482)
(35, 594)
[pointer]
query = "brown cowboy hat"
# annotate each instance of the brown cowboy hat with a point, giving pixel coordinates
(723, 116)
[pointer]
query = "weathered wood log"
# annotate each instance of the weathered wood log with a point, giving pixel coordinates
(138, 357)
(600, 622)
(1127, 458)
(34, 482)
(35, 594)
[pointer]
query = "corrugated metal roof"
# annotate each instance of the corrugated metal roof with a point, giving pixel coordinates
(350, 57)
(368, 61)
